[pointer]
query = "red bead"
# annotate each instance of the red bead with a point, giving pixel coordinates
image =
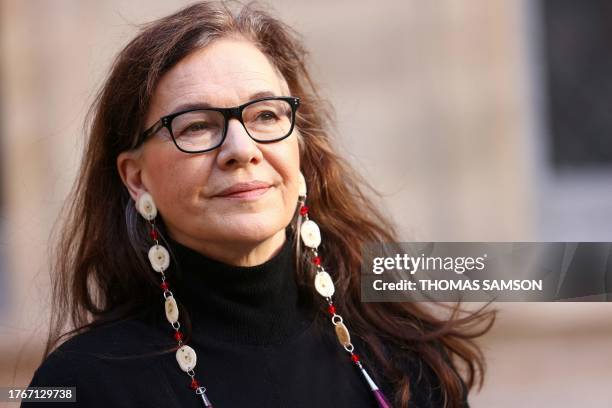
(194, 384)
(164, 285)
(332, 309)
(154, 234)
(355, 358)
(316, 260)
(178, 335)
(304, 210)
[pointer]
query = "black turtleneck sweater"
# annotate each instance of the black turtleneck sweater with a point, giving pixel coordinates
(258, 340)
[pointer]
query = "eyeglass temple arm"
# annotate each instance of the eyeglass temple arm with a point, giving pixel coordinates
(149, 132)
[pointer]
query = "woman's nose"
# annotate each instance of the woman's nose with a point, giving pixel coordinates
(238, 148)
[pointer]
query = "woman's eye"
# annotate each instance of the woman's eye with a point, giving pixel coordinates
(197, 126)
(266, 116)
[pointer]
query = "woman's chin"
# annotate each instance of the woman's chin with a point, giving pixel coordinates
(251, 230)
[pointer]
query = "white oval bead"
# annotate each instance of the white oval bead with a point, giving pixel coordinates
(172, 313)
(324, 284)
(302, 185)
(146, 206)
(186, 358)
(310, 233)
(159, 258)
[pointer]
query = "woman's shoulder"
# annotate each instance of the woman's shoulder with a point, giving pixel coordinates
(115, 338)
(103, 357)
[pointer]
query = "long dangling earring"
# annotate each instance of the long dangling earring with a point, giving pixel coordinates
(324, 285)
(159, 257)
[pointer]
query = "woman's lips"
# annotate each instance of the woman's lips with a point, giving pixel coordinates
(252, 194)
(243, 187)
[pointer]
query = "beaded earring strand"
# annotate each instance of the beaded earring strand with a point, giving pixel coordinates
(324, 285)
(159, 257)
(186, 357)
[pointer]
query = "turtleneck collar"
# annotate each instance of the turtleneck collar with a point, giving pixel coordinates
(257, 305)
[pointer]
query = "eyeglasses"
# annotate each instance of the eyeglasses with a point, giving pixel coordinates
(266, 120)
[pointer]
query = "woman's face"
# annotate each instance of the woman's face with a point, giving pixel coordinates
(186, 187)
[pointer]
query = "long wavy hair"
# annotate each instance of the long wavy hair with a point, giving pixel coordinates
(99, 270)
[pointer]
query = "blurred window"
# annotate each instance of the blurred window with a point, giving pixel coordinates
(577, 37)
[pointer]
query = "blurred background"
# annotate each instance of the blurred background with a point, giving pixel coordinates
(478, 120)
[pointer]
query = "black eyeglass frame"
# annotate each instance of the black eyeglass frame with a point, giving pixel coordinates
(228, 113)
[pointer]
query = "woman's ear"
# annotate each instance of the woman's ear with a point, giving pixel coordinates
(129, 166)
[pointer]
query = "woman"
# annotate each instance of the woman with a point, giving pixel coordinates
(214, 233)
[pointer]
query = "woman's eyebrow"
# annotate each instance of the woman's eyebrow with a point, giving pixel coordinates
(204, 105)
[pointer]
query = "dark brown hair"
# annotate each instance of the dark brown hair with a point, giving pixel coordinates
(99, 271)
